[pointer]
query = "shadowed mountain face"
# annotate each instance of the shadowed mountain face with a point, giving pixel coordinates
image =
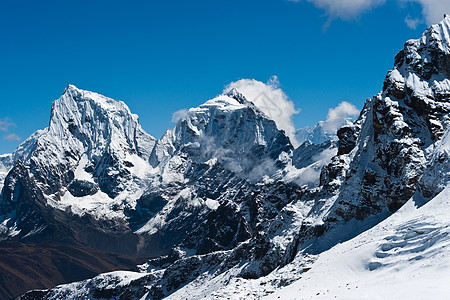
(25, 266)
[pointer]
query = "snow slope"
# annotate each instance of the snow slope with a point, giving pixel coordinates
(407, 256)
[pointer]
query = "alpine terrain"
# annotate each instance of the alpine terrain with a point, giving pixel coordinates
(223, 206)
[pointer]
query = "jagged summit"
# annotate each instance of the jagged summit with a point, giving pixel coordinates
(98, 122)
(70, 87)
(74, 99)
(94, 149)
(235, 94)
(426, 57)
(228, 101)
(389, 153)
(229, 128)
(439, 35)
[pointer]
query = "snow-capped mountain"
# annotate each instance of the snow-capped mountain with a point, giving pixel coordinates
(206, 193)
(391, 164)
(89, 161)
(317, 134)
(394, 142)
(95, 177)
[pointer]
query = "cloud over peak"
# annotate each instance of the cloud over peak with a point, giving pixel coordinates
(337, 116)
(179, 115)
(271, 100)
(433, 10)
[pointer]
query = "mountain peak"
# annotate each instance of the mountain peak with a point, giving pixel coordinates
(235, 94)
(439, 35)
(72, 92)
(94, 119)
(73, 95)
(70, 87)
(424, 58)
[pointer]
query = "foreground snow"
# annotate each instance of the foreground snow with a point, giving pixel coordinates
(407, 256)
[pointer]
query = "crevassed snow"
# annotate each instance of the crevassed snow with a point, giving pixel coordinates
(407, 256)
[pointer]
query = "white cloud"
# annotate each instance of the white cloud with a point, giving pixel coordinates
(271, 100)
(325, 156)
(12, 137)
(412, 22)
(5, 124)
(179, 115)
(432, 10)
(344, 9)
(336, 116)
(311, 174)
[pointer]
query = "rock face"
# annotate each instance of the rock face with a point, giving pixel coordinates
(385, 153)
(257, 228)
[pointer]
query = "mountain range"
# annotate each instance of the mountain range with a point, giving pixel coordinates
(224, 206)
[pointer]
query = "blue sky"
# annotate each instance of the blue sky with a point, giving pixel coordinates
(163, 56)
